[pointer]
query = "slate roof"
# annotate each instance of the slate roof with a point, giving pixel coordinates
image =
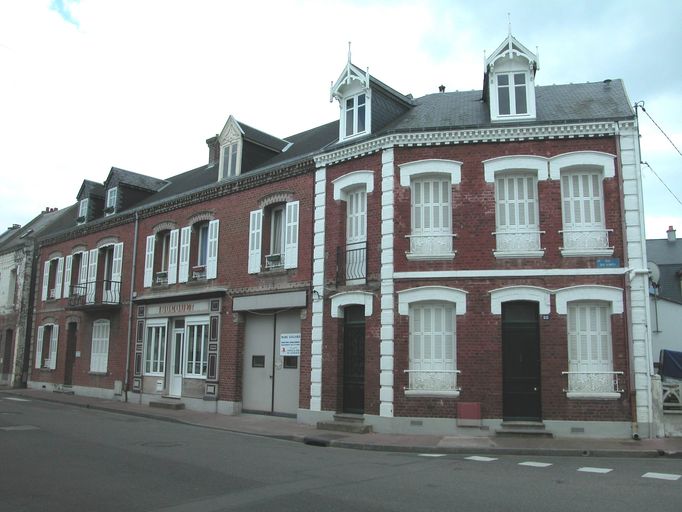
(45, 222)
(668, 256)
(592, 101)
(262, 138)
(135, 179)
(91, 188)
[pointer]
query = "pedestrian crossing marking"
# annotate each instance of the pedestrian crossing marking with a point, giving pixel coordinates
(662, 476)
(477, 458)
(17, 399)
(432, 455)
(595, 470)
(535, 464)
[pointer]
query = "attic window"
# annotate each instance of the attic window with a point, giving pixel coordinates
(511, 94)
(83, 211)
(355, 114)
(229, 160)
(112, 195)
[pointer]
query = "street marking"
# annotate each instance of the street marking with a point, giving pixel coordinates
(19, 427)
(535, 464)
(17, 399)
(595, 470)
(476, 458)
(662, 476)
(432, 455)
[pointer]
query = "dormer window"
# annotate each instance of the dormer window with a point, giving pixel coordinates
(356, 112)
(509, 84)
(112, 195)
(83, 211)
(511, 94)
(229, 161)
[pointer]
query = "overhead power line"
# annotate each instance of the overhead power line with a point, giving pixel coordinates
(664, 184)
(640, 104)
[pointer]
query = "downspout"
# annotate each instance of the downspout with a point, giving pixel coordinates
(30, 305)
(130, 308)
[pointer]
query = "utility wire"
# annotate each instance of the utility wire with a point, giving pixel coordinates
(640, 104)
(659, 179)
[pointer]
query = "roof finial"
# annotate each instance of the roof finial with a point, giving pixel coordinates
(509, 22)
(348, 52)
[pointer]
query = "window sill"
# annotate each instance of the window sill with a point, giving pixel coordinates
(568, 253)
(592, 396)
(411, 256)
(99, 374)
(519, 254)
(432, 394)
(195, 377)
(354, 282)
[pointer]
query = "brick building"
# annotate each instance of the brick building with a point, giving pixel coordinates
(462, 260)
(472, 270)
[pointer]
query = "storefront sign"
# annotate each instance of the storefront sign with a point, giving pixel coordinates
(178, 309)
(290, 344)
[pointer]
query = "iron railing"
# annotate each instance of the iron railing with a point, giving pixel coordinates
(672, 397)
(351, 262)
(95, 293)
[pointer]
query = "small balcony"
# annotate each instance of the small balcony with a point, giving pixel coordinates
(433, 246)
(518, 244)
(103, 294)
(352, 263)
(199, 273)
(161, 278)
(593, 384)
(274, 261)
(586, 242)
(432, 383)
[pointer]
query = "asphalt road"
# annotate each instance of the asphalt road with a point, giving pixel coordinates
(60, 458)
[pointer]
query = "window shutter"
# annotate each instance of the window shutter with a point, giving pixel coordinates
(92, 276)
(173, 257)
(58, 280)
(255, 229)
(212, 257)
(67, 276)
(116, 267)
(46, 279)
(39, 345)
(183, 271)
(83, 275)
(291, 236)
(53, 346)
(100, 346)
(149, 261)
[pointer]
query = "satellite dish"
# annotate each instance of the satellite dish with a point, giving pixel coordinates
(654, 273)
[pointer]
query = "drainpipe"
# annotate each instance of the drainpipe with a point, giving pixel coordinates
(130, 308)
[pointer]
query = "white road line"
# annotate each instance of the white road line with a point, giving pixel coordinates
(662, 476)
(535, 464)
(476, 458)
(16, 399)
(432, 455)
(19, 427)
(595, 470)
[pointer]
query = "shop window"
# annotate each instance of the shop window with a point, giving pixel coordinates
(155, 348)
(196, 348)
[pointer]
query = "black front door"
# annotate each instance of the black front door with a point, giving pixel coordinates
(521, 361)
(70, 352)
(7, 354)
(354, 360)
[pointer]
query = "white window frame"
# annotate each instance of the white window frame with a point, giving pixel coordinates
(511, 88)
(355, 116)
(83, 210)
(112, 197)
(155, 366)
(230, 159)
(196, 324)
(99, 354)
(47, 361)
(202, 244)
(291, 226)
(277, 232)
(582, 196)
(520, 238)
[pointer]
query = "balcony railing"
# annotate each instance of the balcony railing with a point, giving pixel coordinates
(443, 382)
(518, 241)
(161, 278)
(352, 262)
(579, 240)
(274, 261)
(593, 383)
(672, 397)
(95, 293)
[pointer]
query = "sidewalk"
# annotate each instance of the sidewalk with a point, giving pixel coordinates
(289, 429)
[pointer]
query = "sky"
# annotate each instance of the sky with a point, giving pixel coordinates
(141, 84)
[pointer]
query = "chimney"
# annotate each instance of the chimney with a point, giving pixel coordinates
(213, 150)
(672, 237)
(441, 88)
(13, 227)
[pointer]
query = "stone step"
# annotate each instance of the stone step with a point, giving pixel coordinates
(175, 405)
(343, 426)
(345, 417)
(523, 429)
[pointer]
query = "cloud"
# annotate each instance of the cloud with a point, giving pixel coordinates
(63, 8)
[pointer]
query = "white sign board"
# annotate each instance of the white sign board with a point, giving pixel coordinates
(290, 344)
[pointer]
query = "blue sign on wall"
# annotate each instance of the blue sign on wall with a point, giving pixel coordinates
(608, 262)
